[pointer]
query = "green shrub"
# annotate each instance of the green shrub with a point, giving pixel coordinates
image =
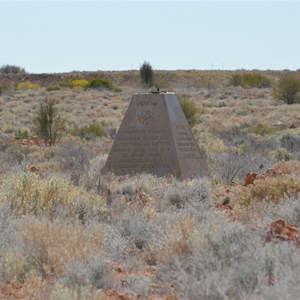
(250, 80)
(22, 134)
(235, 80)
(88, 132)
(190, 110)
(49, 124)
(11, 69)
(101, 84)
(146, 73)
(27, 85)
(288, 89)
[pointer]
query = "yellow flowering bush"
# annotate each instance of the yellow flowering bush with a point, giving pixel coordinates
(27, 85)
(80, 83)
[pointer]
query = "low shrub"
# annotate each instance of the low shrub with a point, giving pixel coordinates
(263, 129)
(288, 89)
(190, 110)
(273, 189)
(281, 154)
(29, 194)
(235, 80)
(186, 194)
(49, 247)
(54, 87)
(27, 85)
(101, 84)
(74, 159)
(250, 80)
(22, 134)
(88, 132)
(229, 166)
(291, 142)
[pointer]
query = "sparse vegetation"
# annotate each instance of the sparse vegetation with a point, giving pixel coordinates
(69, 231)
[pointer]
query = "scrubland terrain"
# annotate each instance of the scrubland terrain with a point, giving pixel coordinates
(67, 231)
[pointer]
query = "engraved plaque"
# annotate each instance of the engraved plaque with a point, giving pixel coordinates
(155, 137)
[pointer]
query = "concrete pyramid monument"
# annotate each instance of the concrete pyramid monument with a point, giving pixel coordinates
(155, 137)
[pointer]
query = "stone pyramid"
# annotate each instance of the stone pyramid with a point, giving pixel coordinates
(155, 137)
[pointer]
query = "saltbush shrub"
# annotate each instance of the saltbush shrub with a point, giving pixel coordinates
(186, 194)
(74, 159)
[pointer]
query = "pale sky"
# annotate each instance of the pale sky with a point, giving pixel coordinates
(63, 36)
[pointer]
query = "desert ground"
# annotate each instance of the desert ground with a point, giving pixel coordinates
(68, 231)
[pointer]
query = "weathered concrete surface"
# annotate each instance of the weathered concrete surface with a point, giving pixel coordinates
(155, 137)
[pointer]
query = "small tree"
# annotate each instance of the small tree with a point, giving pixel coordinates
(11, 69)
(146, 73)
(49, 124)
(288, 89)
